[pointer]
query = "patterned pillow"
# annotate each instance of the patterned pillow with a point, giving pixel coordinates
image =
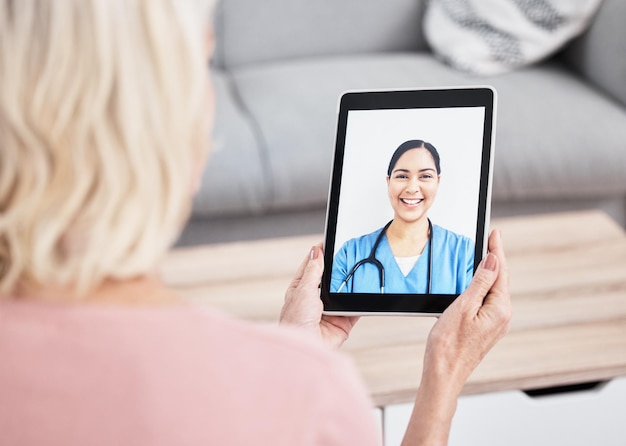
(489, 37)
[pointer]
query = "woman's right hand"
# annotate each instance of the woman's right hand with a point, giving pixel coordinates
(458, 341)
(473, 323)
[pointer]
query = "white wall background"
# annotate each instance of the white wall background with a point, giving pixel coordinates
(371, 138)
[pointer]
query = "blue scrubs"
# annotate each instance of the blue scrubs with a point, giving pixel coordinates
(452, 269)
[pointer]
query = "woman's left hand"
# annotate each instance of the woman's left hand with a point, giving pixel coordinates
(303, 306)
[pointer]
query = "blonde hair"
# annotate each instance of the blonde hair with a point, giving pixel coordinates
(103, 115)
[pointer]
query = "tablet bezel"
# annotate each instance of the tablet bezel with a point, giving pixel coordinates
(442, 97)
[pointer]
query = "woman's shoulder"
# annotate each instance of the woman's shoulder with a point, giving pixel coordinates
(216, 346)
(270, 339)
(300, 365)
(287, 365)
(188, 329)
(260, 345)
(214, 365)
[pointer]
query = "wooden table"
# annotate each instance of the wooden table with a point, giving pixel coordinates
(568, 285)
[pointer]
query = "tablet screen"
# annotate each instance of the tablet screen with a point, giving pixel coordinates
(409, 199)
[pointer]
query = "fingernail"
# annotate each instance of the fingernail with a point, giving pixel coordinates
(313, 254)
(491, 261)
(499, 234)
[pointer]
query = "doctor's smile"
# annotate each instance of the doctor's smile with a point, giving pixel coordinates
(411, 201)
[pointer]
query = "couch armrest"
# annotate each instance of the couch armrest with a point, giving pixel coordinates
(599, 54)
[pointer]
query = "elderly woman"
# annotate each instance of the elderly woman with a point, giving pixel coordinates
(105, 112)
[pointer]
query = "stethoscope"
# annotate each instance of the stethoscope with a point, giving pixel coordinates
(379, 266)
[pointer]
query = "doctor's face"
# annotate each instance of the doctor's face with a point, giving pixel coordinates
(413, 185)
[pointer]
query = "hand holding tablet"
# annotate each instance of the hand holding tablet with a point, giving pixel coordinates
(360, 277)
(409, 199)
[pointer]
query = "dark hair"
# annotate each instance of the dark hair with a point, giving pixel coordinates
(414, 144)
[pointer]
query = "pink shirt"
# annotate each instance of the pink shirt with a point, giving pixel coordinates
(179, 375)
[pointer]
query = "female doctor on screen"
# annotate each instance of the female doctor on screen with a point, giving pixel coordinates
(410, 254)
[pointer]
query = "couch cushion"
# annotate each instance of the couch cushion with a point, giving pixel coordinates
(556, 136)
(496, 36)
(234, 182)
(252, 31)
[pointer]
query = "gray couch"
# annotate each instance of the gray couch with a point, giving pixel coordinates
(280, 66)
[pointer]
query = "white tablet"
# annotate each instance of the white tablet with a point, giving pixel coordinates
(409, 199)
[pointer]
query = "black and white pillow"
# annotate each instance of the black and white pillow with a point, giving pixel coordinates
(489, 37)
